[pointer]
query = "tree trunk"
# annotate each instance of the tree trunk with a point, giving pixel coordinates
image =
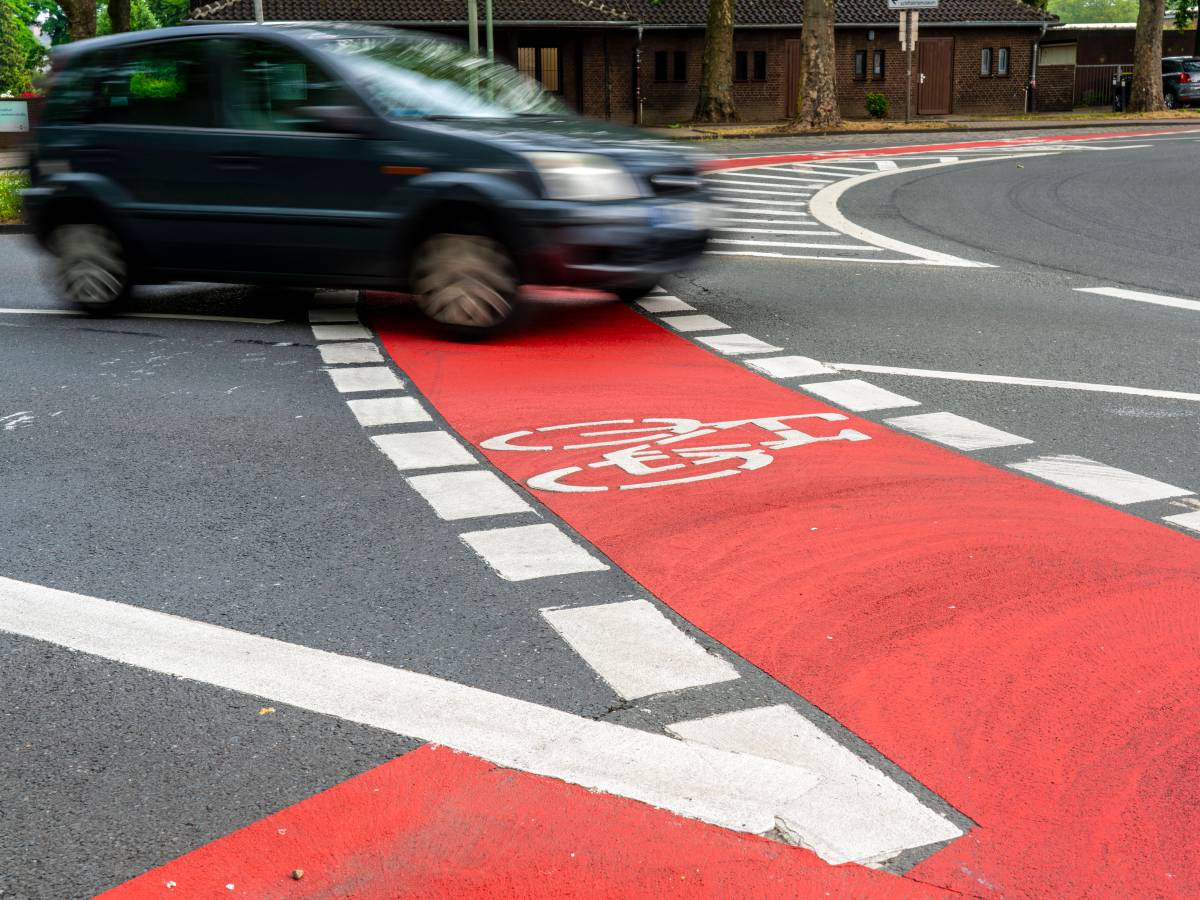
(716, 72)
(1146, 94)
(81, 18)
(818, 84)
(118, 15)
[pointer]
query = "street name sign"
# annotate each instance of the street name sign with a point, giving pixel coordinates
(912, 4)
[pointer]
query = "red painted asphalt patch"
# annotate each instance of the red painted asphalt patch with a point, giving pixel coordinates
(1028, 654)
(435, 823)
(780, 158)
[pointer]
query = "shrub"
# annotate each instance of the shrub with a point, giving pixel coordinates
(877, 105)
(10, 200)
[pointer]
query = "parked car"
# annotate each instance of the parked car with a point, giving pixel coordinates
(1181, 81)
(349, 156)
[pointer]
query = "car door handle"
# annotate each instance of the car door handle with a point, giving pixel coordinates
(91, 152)
(238, 162)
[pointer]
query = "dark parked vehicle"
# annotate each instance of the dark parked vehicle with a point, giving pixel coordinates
(343, 156)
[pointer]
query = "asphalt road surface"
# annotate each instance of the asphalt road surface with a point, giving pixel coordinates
(936, 555)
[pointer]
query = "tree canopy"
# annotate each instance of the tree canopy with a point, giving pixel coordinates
(1080, 12)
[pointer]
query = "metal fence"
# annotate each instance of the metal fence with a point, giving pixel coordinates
(1093, 84)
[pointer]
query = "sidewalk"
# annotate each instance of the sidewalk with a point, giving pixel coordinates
(948, 123)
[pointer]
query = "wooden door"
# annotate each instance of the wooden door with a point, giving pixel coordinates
(935, 76)
(791, 81)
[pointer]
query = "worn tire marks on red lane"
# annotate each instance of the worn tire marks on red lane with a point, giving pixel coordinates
(1028, 654)
(435, 823)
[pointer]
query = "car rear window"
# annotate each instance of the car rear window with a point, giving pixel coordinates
(1191, 65)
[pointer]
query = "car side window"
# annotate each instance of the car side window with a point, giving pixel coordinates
(165, 83)
(1170, 67)
(269, 85)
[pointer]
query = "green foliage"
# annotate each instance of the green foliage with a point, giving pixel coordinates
(10, 200)
(160, 85)
(18, 53)
(145, 14)
(877, 105)
(1185, 13)
(1080, 12)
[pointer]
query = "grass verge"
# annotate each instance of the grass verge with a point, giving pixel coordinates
(10, 199)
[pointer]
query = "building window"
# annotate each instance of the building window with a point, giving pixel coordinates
(660, 65)
(760, 65)
(679, 73)
(741, 66)
(985, 62)
(877, 65)
(1002, 61)
(860, 64)
(541, 64)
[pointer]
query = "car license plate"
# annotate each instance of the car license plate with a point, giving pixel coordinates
(679, 215)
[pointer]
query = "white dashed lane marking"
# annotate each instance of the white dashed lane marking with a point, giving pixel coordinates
(1190, 521)
(1143, 297)
(858, 395)
(375, 411)
(341, 332)
(694, 323)
(468, 495)
(636, 649)
(347, 352)
(531, 551)
(1098, 480)
(737, 344)
(663, 304)
(855, 813)
(409, 450)
(789, 366)
(956, 431)
(365, 378)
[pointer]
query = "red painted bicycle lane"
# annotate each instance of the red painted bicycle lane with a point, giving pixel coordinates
(1028, 654)
(440, 824)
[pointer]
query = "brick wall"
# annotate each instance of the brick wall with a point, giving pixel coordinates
(972, 92)
(1055, 88)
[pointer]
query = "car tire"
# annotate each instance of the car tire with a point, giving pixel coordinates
(635, 292)
(91, 266)
(1171, 101)
(465, 282)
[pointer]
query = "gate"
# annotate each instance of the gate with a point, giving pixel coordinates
(935, 64)
(1093, 84)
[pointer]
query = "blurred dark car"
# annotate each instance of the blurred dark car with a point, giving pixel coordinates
(343, 156)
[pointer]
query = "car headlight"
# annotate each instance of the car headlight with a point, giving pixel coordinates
(583, 176)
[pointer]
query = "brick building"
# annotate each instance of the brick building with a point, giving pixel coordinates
(639, 61)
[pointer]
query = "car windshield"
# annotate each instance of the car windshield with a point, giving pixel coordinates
(435, 78)
(1191, 65)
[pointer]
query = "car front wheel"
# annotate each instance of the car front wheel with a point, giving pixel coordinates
(467, 282)
(90, 266)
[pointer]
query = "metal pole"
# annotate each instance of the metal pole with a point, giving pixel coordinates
(473, 26)
(487, 17)
(258, 11)
(908, 76)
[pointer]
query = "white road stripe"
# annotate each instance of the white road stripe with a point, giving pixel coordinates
(1098, 480)
(636, 649)
(726, 228)
(243, 320)
(1190, 521)
(375, 411)
(735, 791)
(789, 366)
(772, 174)
(1018, 380)
(468, 495)
(764, 254)
(423, 450)
(856, 813)
(829, 169)
(765, 214)
(663, 304)
(365, 378)
(341, 333)
(531, 551)
(778, 187)
(1143, 297)
(886, 165)
(326, 315)
(737, 344)
(694, 323)
(769, 180)
(956, 431)
(350, 352)
(775, 193)
(764, 202)
(798, 245)
(858, 395)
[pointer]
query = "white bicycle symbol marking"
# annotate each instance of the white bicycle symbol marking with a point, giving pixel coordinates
(646, 448)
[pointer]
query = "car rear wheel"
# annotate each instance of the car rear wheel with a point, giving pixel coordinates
(1171, 101)
(91, 267)
(467, 282)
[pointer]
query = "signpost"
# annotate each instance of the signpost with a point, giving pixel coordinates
(909, 14)
(14, 116)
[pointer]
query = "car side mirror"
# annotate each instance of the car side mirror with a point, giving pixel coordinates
(338, 119)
